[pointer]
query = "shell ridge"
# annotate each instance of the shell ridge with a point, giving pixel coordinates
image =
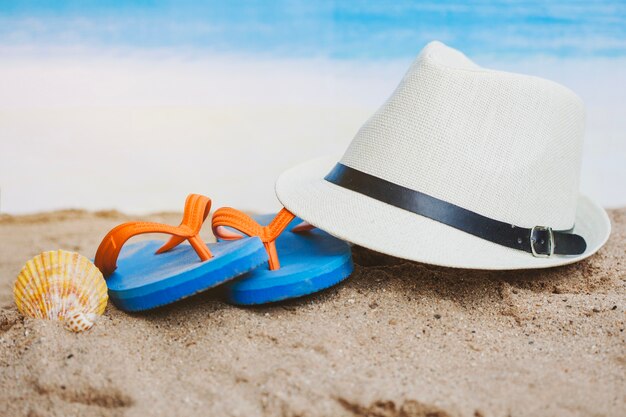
(61, 285)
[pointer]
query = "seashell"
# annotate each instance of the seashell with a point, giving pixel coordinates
(61, 285)
(77, 321)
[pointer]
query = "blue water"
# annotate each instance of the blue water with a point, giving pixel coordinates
(334, 29)
(71, 70)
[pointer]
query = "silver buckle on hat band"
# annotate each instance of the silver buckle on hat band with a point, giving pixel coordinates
(533, 240)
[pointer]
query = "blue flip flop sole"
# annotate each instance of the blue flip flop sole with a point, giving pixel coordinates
(144, 280)
(310, 262)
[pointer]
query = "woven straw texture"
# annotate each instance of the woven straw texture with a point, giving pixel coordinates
(507, 146)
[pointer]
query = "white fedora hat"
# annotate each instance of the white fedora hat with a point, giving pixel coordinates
(462, 167)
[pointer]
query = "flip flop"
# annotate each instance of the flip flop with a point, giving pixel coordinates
(310, 259)
(153, 273)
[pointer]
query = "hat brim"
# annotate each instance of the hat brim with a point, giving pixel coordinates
(379, 226)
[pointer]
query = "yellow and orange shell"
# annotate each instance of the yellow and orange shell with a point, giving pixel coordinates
(61, 285)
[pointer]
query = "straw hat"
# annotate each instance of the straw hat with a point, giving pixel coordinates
(462, 167)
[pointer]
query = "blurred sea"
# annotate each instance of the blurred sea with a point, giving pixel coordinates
(132, 105)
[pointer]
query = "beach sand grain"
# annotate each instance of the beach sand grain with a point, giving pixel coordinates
(396, 339)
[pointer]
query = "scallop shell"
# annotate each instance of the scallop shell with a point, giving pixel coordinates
(61, 285)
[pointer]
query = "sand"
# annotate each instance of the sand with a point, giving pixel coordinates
(396, 339)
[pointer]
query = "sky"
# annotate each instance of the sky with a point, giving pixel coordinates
(130, 105)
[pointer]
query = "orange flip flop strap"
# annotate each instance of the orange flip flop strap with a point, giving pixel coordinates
(197, 209)
(230, 217)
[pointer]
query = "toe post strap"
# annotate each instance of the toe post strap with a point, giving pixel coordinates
(233, 218)
(197, 209)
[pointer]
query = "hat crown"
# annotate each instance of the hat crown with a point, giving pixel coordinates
(507, 146)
